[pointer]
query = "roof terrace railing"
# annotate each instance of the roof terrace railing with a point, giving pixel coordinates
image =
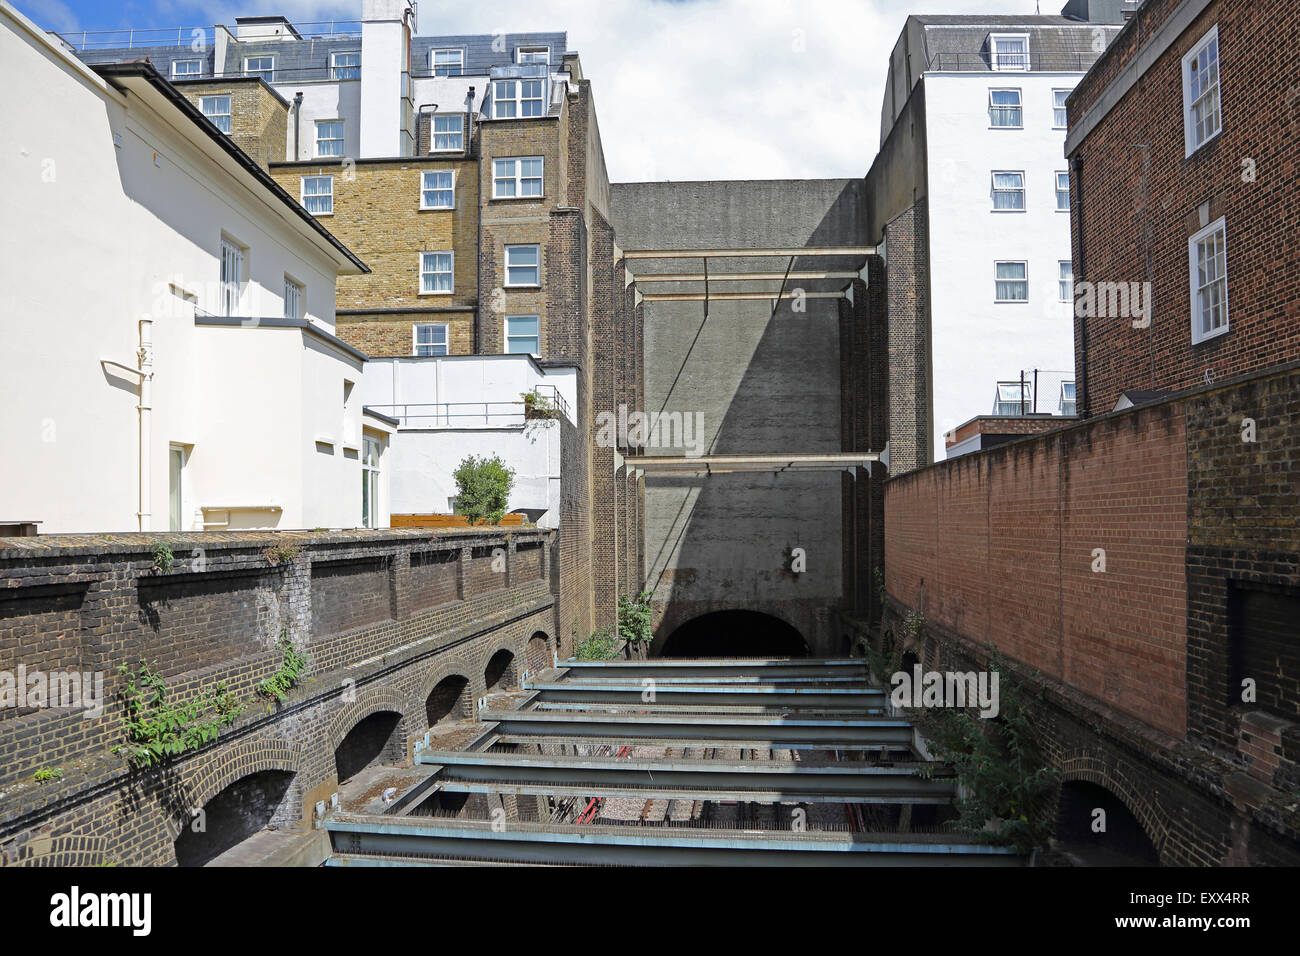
(1079, 61)
(130, 39)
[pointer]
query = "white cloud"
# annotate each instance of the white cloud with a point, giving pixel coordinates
(725, 89)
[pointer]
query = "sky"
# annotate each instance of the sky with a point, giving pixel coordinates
(684, 89)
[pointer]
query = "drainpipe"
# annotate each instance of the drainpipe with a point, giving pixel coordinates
(1080, 373)
(145, 356)
(297, 123)
(478, 232)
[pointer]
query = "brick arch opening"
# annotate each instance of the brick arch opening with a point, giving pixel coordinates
(499, 673)
(737, 633)
(240, 810)
(538, 652)
(1083, 808)
(449, 701)
(374, 739)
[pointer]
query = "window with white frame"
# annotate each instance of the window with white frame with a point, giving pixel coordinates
(345, 66)
(523, 265)
(1063, 191)
(182, 69)
(294, 296)
(370, 456)
(1060, 118)
(1012, 282)
(517, 177)
(232, 276)
(448, 133)
(512, 99)
(263, 66)
(1202, 119)
(436, 273)
(217, 110)
(447, 62)
(1005, 109)
(1208, 264)
(437, 189)
(1009, 51)
(1069, 402)
(429, 338)
(1009, 191)
(1013, 398)
(317, 195)
(523, 335)
(1065, 272)
(533, 54)
(329, 137)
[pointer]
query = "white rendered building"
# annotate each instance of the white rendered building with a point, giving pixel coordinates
(973, 131)
(167, 317)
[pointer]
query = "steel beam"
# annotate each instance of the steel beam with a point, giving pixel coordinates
(853, 699)
(762, 668)
(736, 296)
(741, 276)
(364, 839)
(758, 781)
(850, 734)
(805, 252)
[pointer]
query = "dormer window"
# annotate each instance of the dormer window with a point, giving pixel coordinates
(1009, 51)
(533, 54)
(263, 66)
(186, 69)
(345, 66)
(447, 62)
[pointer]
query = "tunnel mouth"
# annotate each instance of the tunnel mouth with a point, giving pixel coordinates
(1095, 828)
(735, 634)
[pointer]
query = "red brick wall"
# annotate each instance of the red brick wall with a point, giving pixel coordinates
(998, 546)
(1139, 206)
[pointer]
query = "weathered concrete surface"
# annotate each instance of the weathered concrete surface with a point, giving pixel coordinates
(756, 382)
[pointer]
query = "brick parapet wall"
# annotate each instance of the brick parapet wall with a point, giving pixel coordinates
(996, 547)
(113, 624)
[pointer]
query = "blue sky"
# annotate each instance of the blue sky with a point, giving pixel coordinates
(693, 89)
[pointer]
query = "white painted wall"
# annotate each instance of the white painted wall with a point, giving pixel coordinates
(383, 53)
(976, 341)
(428, 446)
(116, 205)
(323, 100)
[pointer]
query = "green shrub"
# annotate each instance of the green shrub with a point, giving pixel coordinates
(483, 488)
(157, 729)
(634, 618)
(290, 672)
(539, 406)
(162, 557)
(47, 773)
(600, 646)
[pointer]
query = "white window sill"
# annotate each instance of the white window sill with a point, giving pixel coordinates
(1002, 211)
(436, 209)
(1007, 127)
(517, 198)
(1208, 336)
(448, 292)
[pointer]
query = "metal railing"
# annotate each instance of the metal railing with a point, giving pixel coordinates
(184, 36)
(471, 414)
(1010, 64)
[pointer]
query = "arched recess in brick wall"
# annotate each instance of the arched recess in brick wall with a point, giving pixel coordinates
(1084, 768)
(372, 729)
(501, 672)
(239, 790)
(449, 700)
(538, 652)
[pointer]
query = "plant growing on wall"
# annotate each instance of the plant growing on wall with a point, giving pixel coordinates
(162, 557)
(1005, 780)
(47, 773)
(281, 553)
(539, 406)
(599, 646)
(292, 668)
(157, 729)
(634, 618)
(483, 488)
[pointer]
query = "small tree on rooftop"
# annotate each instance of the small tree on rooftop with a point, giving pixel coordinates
(483, 488)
